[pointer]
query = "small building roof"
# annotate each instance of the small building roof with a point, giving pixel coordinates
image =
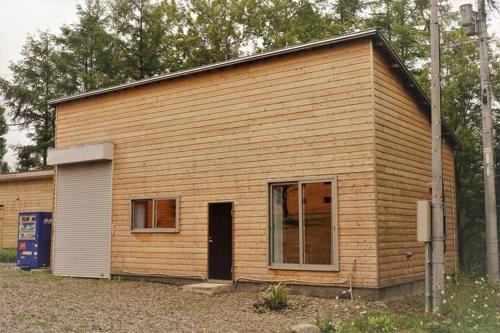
(26, 175)
(379, 41)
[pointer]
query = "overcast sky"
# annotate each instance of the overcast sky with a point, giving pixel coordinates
(18, 18)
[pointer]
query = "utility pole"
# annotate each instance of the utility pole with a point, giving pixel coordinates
(489, 163)
(477, 25)
(437, 165)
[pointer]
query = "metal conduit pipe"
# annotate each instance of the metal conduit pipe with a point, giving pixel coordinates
(346, 282)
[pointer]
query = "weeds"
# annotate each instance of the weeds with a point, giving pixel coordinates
(371, 323)
(472, 305)
(8, 255)
(326, 324)
(469, 305)
(275, 298)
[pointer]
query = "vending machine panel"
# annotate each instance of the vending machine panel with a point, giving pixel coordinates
(33, 245)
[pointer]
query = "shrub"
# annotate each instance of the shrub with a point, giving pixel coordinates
(276, 297)
(371, 323)
(326, 324)
(8, 255)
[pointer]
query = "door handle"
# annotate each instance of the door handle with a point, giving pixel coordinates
(210, 240)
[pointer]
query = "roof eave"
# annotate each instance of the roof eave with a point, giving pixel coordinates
(26, 175)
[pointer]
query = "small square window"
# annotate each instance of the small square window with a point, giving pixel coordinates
(155, 215)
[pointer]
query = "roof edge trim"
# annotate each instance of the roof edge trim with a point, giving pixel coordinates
(26, 175)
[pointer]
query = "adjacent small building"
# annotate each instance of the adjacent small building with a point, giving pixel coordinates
(29, 191)
(303, 164)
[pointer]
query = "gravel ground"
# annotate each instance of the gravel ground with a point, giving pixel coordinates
(41, 302)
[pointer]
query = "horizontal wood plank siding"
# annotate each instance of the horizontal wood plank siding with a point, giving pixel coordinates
(17, 196)
(220, 136)
(403, 164)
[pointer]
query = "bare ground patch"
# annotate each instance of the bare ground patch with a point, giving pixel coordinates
(41, 302)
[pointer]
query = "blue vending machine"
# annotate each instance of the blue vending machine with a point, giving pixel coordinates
(33, 241)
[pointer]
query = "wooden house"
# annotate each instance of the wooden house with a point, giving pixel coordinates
(28, 191)
(302, 164)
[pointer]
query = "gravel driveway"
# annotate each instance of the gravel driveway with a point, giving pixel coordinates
(41, 302)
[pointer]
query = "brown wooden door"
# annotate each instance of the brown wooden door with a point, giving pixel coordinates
(220, 241)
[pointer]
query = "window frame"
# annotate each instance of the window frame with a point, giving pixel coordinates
(334, 266)
(154, 229)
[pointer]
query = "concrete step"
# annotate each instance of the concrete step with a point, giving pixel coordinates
(208, 288)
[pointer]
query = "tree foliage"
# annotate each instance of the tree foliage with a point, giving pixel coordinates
(87, 51)
(33, 84)
(281, 23)
(116, 41)
(4, 167)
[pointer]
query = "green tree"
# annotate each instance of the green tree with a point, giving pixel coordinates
(4, 167)
(86, 59)
(28, 158)
(26, 95)
(461, 101)
(283, 23)
(405, 24)
(460, 96)
(217, 30)
(142, 33)
(347, 15)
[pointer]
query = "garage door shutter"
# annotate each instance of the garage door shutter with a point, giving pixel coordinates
(83, 220)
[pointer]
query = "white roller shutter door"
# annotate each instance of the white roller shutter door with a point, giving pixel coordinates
(83, 220)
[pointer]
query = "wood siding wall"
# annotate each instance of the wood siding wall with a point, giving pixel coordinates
(221, 136)
(403, 163)
(17, 196)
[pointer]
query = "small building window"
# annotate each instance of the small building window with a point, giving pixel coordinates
(303, 225)
(155, 215)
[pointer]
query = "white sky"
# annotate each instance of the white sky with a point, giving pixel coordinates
(18, 18)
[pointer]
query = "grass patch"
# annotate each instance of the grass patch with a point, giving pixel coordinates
(8, 255)
(326, 324)
(8, 285)
(36, 277)
(470, 305)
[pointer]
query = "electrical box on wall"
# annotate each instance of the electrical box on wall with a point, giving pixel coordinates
(424, 215)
